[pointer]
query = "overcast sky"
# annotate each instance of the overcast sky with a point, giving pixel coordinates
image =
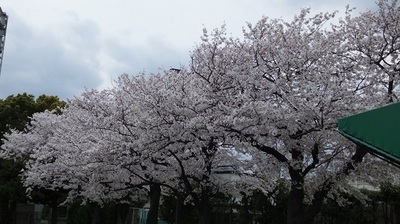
(61, 47)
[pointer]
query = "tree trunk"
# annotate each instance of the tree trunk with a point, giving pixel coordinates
(205, 210)
(96, 213)
(54, 209)
(122, 213)
(155, 194)
(178, 209)
(300, 213)
(245, 216)
(295, 206)
(5, 216)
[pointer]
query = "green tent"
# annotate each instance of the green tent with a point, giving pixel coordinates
(376, 130)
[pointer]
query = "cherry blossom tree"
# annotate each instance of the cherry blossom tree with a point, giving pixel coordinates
(282, 89)
(15, 113)
(66, 152)
(176, 125)
(373, 42)
(267, 104)
(147, 132)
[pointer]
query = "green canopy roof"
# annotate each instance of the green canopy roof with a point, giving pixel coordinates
(376, 130)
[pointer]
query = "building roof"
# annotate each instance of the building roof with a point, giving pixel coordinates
(377, 130)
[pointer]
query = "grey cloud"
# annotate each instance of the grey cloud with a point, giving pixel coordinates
(36, 62)
(154, 55)
(64, 57)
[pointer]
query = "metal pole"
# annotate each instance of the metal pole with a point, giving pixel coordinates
(3, 29)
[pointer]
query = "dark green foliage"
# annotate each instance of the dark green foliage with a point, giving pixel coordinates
(10, 185)
(352, 213)
(382, 207)
(79, 214)
(261, 208)
(389, 198)
(225, 209)
(168, 208)
(44, 103)
(16, 111)
(254, 208)
(389, 193)
(11, 189)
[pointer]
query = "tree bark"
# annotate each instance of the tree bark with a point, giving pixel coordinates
(178, 209)
(54, 209)
(5, 216)
(155, 194)
(300, 213)
(205, 210)
(245, 217)
(295, 207)
(122, 213)
(96, 213)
